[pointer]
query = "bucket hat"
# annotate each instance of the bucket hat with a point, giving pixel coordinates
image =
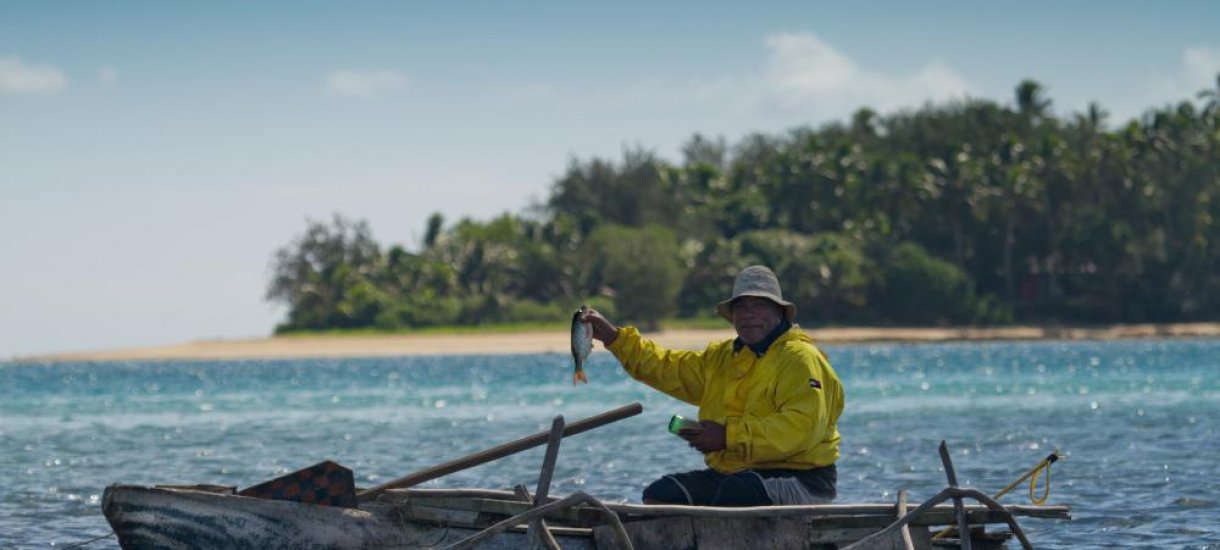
(758, 281)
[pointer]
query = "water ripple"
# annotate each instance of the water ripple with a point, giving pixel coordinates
(1135, 422)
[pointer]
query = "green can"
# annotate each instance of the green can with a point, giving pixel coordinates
(678, 422)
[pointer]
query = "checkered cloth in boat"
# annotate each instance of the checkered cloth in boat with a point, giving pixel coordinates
(323, 483)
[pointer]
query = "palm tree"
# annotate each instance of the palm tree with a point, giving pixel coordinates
(1031, 100)
(1211, 98)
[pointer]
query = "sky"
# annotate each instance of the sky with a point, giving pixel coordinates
(154, 155)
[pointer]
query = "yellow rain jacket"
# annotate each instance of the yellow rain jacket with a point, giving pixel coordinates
(780, 410)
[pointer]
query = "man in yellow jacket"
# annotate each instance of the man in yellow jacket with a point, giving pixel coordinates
(769, 402)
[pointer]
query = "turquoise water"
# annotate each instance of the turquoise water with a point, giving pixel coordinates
(1136, 421)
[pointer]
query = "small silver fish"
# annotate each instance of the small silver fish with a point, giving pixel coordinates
(582, 344)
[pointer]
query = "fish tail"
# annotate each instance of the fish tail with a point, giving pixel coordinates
(579, 375)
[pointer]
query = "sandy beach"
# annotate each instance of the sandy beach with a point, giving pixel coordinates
(557, 342)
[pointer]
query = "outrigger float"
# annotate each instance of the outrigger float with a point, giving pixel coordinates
(320, 508)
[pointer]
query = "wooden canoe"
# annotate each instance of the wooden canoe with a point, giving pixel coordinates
(211, 517)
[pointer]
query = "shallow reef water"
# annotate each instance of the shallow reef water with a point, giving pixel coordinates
(1135, 423)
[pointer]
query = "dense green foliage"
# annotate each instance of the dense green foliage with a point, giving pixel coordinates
(966, 213)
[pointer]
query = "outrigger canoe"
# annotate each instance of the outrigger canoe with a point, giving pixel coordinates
(392, 516)
(190, 518)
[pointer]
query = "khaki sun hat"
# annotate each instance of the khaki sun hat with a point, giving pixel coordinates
(759, 281)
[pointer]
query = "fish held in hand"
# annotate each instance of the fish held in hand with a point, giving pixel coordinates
(582, 344)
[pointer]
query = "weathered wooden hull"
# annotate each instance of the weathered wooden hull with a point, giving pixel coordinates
(177, 518)
(151, 518)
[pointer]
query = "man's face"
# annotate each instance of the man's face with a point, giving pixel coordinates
(755, 318)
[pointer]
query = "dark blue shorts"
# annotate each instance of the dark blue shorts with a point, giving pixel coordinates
(745, 488)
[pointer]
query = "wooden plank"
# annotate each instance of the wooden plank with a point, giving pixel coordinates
(1055, 511)
(445, 516)
(547, 537)
(1047, 512)
(539, 527)
(583, 516)
(973, 517)
(501, 451)
(905, 533)
(645, 511)
(396, 495)
(813, 511)
(584, 532)
(959, 506)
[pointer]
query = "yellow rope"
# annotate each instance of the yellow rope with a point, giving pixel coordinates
(1033, 481)
(1045, 464)
(1032, 475)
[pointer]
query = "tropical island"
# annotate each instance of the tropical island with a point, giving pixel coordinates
(968, 213)
(1010, 220)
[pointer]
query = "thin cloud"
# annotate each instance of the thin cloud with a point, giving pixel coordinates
(800, 77)
(1200, 68)
(18, 77)
(804, 70)
(364, 84)
(1196, 70)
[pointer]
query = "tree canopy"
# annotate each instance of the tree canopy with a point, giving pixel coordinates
(971, 212)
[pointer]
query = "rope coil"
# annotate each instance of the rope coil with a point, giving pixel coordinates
(1044, 466)
(1032, 475)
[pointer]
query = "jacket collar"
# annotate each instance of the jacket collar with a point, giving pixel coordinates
(759, 348)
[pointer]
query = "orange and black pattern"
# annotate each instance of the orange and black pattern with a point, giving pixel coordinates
(324, 483)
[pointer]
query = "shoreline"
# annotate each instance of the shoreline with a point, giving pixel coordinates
(396, 345)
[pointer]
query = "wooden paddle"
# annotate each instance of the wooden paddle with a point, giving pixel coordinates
(512, 447)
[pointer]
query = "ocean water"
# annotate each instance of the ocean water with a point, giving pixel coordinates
(1136, 422)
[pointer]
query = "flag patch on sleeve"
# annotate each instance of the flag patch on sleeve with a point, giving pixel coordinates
(813, 383)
